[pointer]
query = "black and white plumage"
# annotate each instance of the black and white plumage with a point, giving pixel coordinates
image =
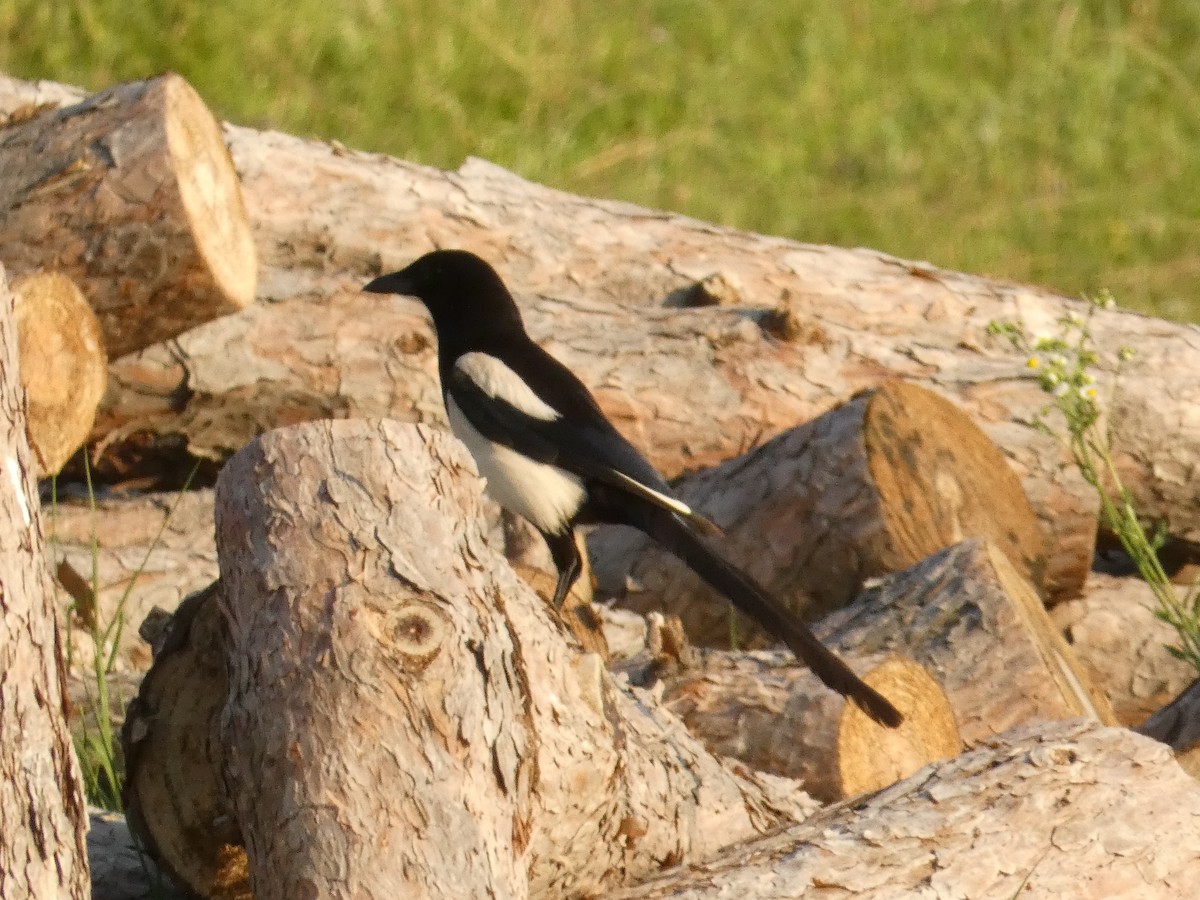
(550, 455)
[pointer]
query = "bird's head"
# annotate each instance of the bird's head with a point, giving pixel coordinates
(461, 291)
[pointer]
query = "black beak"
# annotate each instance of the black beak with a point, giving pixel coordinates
(395, 283)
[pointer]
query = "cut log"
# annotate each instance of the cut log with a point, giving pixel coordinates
(777, 718)
(132, 194)
(353, 356)
(173, 795)
(64, 367)
(869, 488)
(977, 625)
(1121, 645)
(43, 817)
(833, 322)
(376, 638)
(1069, 810)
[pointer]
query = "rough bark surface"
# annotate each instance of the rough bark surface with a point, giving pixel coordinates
(42, 812)
(1121, 645)
(976, 624)
(777, 718)
(132, 194)
(1072, 810)
(64, 367)
(325, 218)
(391, 679)
(871, 487)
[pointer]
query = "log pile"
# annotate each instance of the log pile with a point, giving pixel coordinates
(375, 700)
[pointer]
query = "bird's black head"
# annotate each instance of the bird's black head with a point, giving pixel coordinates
(466, 298)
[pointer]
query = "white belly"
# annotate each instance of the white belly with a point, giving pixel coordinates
(545, 495)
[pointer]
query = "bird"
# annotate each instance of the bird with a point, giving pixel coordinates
(550, 455)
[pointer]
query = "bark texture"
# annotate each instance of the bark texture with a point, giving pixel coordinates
(391, 679)
(42, 812)
(1072, 810)
(1121, 645)
(326, 218)
(64, 367)
(976, 624)
(777, 718)
(132, 194)
(871, 487)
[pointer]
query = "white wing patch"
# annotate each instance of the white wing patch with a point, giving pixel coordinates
(544, 494)
(497, 380)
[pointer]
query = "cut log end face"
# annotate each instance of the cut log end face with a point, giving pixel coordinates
(210, 193)
(940, 480)
(64, 368)
(870, 756)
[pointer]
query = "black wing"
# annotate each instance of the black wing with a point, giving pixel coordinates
(591, 448)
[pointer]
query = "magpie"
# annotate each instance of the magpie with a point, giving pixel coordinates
(551, 456)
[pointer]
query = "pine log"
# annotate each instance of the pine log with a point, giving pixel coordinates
(64, 368)
(846, 317)
(326, 218)
(1068, 810)
(42, 812)
(777, 718)
(277, 365)
(871, 487)
(390, 677)
(132, 194)
(292, 361)
(1121, 645)
(173, 797)
(977, 625)
(150, 551)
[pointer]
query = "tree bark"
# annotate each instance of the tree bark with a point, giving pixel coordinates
(1121, 646)
(973, 621)
(376, 639)
(132, 194)
(1069, 810)
(64, 367)
(776, 718)
(325, 218)
(42, 812)
(871, 487)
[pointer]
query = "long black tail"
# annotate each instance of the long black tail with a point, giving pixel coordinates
(677, 537)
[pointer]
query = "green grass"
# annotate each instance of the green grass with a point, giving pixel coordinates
(1054, 142)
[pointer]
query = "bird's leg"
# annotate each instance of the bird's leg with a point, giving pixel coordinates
(566, 559)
